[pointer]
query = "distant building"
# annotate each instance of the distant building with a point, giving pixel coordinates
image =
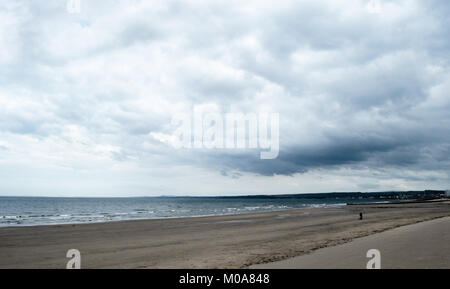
(447, 193)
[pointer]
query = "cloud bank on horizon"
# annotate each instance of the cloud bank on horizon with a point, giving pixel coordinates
(361, 88)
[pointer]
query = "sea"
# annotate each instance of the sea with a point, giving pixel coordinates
(32, 211)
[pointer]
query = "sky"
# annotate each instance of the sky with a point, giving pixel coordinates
(361, 89)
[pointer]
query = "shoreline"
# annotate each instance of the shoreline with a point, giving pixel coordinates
(171, 218)
(330, 206)
(221, 241)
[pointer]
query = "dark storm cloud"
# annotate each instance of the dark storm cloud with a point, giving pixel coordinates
(399, 147)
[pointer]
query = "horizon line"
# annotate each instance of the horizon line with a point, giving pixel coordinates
(224, 196)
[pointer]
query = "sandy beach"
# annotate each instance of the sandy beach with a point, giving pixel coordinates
(234, 241)
(424, 245)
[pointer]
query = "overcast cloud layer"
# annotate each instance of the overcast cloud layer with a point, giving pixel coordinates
(362, 89)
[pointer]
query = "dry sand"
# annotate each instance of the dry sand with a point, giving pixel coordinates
(235, 241)
(424, 245)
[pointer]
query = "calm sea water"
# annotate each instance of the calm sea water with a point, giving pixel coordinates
(28, 211)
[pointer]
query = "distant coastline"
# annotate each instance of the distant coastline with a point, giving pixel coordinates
(372, 194)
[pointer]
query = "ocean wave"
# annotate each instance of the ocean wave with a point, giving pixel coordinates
(71, 211)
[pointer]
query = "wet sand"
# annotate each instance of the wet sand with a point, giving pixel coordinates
(236, 241)
(424, 245)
